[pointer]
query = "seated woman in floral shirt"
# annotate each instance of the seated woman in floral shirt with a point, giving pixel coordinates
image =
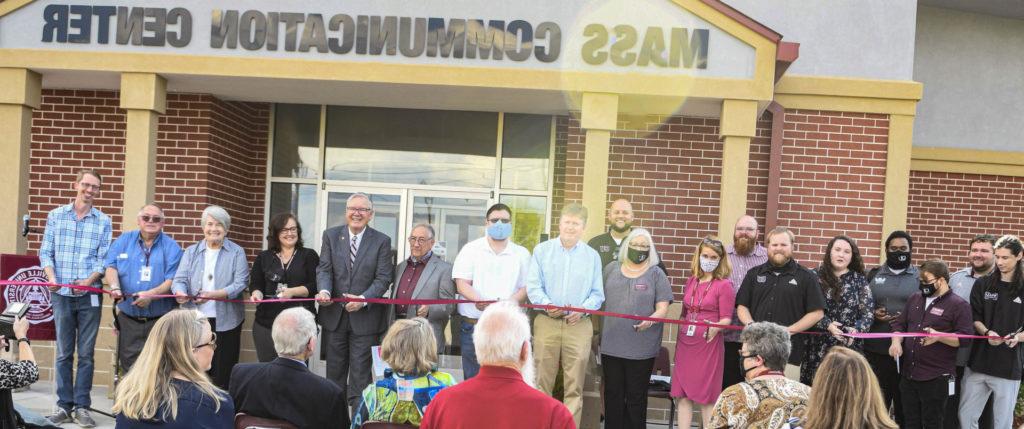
(16, 374)
(767, 399)
(412, 381)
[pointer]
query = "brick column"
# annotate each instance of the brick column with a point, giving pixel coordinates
(599, 115)
(144, 99)
(738, 126)
(20, 92)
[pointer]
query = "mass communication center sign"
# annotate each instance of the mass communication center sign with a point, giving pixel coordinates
(655, 36)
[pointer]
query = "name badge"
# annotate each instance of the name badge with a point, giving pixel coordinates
(405, 390)
(640, 287)
(690, 330)
(122, 256)
(937, 311)
(145, 274)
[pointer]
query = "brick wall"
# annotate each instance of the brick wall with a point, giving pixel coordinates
(833, 180)
(946, 210)
(671, 170)
(209, 151)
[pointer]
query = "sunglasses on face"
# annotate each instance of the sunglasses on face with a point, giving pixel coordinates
(151, 219)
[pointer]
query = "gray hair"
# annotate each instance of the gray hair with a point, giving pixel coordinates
(218, 214)
(768, 340)
(639, 232)
(292, 330)
(153, 205)
(500, 333)
(575, 210)
(359, 195)
(429, 228)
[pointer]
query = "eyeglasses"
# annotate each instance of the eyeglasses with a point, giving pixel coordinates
(151, 219)
(88, 185)
(212, 344)
(500, 220)
(419, 240)
(290, 230)
(361, 210)
(712, 242)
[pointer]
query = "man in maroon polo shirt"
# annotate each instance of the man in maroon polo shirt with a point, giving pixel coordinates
(502, 395)
(928, 365)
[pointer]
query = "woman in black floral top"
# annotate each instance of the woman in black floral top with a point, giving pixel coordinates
(15, 374)
(848, 303)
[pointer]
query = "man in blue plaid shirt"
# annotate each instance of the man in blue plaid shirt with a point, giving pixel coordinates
(74, 247)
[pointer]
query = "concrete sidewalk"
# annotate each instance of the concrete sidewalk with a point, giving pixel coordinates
(42, 398)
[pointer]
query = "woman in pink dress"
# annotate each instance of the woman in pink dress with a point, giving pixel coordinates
(700, 350)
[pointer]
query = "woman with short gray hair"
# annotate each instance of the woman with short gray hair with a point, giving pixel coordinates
(212, 270)
(767, 399)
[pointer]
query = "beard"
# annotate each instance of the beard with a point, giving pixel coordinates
(778, 259)
(744, 245)
(625, 228)
(984, 268)
(529, 369)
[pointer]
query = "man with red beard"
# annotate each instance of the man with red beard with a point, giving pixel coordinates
(745, 253)
(783, 292)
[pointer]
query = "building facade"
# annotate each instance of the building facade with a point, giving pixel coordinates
(844, 117)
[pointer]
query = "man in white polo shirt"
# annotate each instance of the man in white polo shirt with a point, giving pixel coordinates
(488, 268)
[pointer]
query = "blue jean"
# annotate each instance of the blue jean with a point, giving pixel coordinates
(470, 367)
(78, 322)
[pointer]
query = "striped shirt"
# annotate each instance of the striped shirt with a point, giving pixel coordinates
(740, 265)
(75, 248)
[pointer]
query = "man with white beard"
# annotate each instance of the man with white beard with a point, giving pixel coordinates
(502, 395)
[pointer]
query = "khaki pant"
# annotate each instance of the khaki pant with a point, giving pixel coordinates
(556, 342)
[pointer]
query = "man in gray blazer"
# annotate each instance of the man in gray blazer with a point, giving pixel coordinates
(424, 276)
(355, 262)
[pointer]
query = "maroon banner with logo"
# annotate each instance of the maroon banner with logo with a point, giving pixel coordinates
(22, 268)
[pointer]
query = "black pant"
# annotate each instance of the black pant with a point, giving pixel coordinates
(131, 336)
(226, 356)
(952, 419)
(884, 367)
(923, 402)
(731, 374)
(349, 361)
(625, 393)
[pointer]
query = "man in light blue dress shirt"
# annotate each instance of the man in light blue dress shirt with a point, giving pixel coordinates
(565, 271)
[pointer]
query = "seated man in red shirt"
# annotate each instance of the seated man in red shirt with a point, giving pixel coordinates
(502, 396)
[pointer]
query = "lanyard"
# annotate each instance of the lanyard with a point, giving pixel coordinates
(148, 250)
(696, 309)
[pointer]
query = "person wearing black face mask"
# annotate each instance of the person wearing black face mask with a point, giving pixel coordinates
(928, 364)
(891, 285)
(766, 394)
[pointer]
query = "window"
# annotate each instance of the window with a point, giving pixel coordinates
(526, 152)
(296, 141)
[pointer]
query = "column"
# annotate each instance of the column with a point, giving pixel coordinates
(738, 126)
(144, 98)
(897, 176)
(598, 117)
(20, 92)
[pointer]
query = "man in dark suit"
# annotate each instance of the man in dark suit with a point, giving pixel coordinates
(355, 262)
(284, 389)
(424, 276)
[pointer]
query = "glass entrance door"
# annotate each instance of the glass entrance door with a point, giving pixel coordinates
(457, 218)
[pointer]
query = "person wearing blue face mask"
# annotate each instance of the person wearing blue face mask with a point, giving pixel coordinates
(487, 269)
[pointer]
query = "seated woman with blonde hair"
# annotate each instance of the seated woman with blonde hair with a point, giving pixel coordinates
(168, 386)
(846, 394)
(412, 381)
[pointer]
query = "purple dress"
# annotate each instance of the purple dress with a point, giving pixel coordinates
(699, 364)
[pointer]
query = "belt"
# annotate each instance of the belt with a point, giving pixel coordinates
(140, 319)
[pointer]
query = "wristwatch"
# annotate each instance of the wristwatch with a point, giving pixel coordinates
(25, 340)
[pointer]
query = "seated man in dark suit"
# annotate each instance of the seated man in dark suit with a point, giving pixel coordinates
(284, 389)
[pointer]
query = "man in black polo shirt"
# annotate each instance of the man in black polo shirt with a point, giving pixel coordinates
(784, 292)
(928, 365)
(620, 224)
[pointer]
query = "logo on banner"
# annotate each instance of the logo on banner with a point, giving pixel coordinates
(37, 297)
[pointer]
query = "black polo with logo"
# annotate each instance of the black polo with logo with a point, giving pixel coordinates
(993, 304)
(782, 295)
